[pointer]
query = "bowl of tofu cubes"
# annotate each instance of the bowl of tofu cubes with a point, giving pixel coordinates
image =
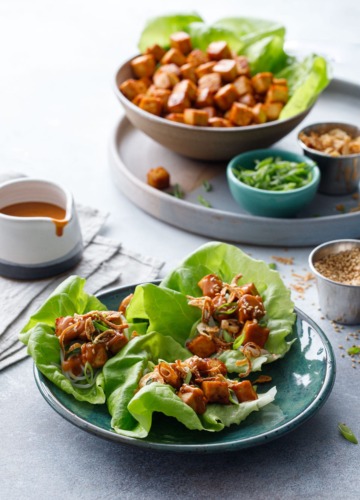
(204, 105)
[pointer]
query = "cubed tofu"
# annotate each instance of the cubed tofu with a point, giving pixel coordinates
(194, 397)
(273, 110)
(218, 50)
(242, 65)
(156, 51)
(151, 104)
(225, 97)
(212, 81)
(173, 56)
(217, 121)
(243, 85)
(137, 99)
(146, 80)
(158, 178)
(162, 94)
(280, 81)
(178, 102)
(170, 68)
(226, 69)
(249, 288)
(250, 307)
(188, 87)
(248, 100)
(201, 346)
(165, 80)
(255, 333)
(259, 117)
(261, 82)
(197, 57)
(143, 65)
(216, 391)
(244, 391)
(240, 114)
(196, 117)
(204, 98)
(204, 69)
(131, 88)
(188, 72)
(175, 117)
(181, 41)
(210, 110)
(277, 93)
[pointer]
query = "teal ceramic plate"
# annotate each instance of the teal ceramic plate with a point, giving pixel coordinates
(304, 379)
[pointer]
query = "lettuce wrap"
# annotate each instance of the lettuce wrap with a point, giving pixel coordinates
(167, 311)
(132, 411)
(261, 41)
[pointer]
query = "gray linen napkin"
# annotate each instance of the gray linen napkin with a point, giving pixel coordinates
(104, 264)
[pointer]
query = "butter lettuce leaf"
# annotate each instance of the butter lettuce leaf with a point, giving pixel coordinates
(251, 29)
(203, 34)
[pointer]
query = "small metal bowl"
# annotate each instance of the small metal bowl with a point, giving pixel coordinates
(338, 301)
(339, 174)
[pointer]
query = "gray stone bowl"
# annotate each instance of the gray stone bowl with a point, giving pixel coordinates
(202, 143)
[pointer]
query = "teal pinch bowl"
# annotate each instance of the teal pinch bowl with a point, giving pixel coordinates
(268, 203)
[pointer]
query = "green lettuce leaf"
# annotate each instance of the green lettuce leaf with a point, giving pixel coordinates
(43, 345)
(266, 54)
(250, 29)
(203, 34)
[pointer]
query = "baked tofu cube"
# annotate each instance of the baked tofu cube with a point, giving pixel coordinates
(243, 85)
(218, 50)
(196, 117)
(188, 87)
(147, 81)
(280, 81)
(244, 391)
(249, 288)
(175, 117)
(240, 114)
(151, 104)
(217, 121)
(131, 88)
(204, 69)
(170, 68)
(250, 307)
(210, 110)
(177, 102)
(212, 81)
(259, 117)
(273, 110)
(158, 178)
(197, 57)
(261, 82)
(225, 97)
(216, 391)
(165, 80)
(181, 41)
(226, 69)
(194, 397)
(242, 65)
(255, 333)
(143, 65)
(162, 94)
(173, 56)
(156, 51)
(204, 98)
(201, 346)
(248, 100)
(137, 99)
(277, 93)
(188, 72)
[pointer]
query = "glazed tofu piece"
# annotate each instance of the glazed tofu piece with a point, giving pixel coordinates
(181, 41)
(204, 69)
(143, 65)
(217, 121)
(197, 57)
(250, 307)
(249, 288)
(173, 56)
(175, 117)
(205, 98)
(131, 88)
(242, 65)
(178, 102)
(137, 99)
(188, 87)
(261, 82)
(196, 117)
(273, 110)
(218, 50)
(248, 100)
(170, 68)
(188, 72)
(158, 178)
(156, 51)
(280, 81)
(216, 391)
(259, 116)
(277, 93)
(193, 397)
(244, 391)
(151, 104)
(212, 81)
(240, 114)
(255, 333)
(201, 346)
(162, 94)
(225, 97)
(243, 85)
(210, 110)
(226, 69)
(165, 80)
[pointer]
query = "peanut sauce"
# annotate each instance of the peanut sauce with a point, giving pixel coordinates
(38, 209)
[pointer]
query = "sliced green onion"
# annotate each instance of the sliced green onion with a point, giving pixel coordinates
(207, 186)
(353, 350)
(188, 377)
(178, 192)
(347, 433)
(204, 202)
(272, 265)
(100, 327)
(238, 341)
(226, 336)
(89, 373)
(233, 397)
(227, 308)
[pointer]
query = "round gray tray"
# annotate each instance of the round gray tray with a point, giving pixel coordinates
(132, 154)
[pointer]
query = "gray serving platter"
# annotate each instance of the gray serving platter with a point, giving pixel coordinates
(132, 154)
